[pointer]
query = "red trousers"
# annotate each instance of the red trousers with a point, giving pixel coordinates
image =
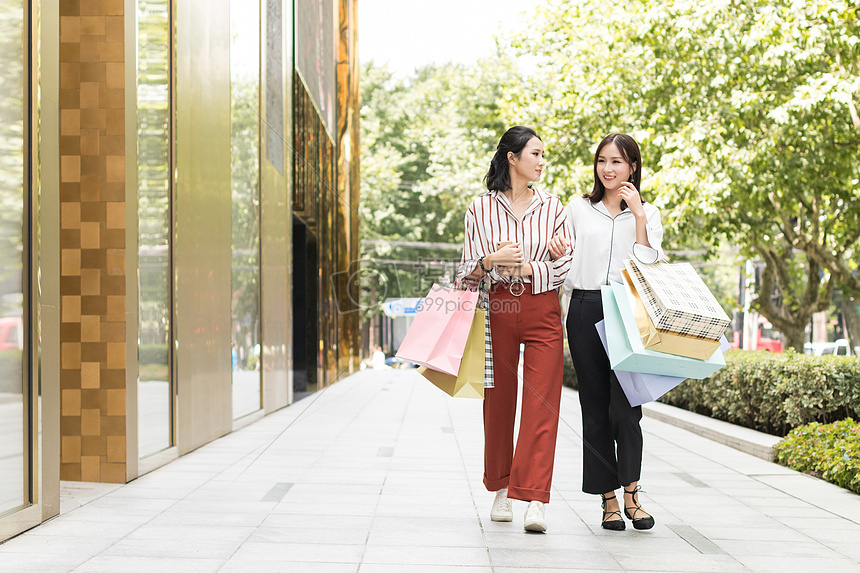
(534, 320)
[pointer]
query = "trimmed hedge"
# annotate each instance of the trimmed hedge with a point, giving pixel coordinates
(830, 451)
(774, 393)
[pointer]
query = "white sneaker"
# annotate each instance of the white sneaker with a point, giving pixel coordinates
(535, 520)
(502, 509)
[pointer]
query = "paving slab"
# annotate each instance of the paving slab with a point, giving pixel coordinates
(381, 473)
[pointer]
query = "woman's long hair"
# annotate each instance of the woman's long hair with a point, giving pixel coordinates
(630, 151)
(513, 141)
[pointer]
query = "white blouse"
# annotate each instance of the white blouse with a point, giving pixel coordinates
(490, 219)
(601, 243)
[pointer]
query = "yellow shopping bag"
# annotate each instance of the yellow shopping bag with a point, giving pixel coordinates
(469, 381)
(661, 340)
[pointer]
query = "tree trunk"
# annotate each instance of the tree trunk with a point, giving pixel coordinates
(372, 332)
(791, 320)
(794, 338)
(851, 316)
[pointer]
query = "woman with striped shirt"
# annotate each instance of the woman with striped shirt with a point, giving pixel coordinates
(508, 230)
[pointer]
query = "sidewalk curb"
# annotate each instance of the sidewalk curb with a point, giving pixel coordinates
(746, 440)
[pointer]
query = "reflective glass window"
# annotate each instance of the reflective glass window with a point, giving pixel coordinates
(154, 226)
(14, 468)
(245, 168)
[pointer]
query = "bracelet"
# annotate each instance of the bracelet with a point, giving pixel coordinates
(481, 264)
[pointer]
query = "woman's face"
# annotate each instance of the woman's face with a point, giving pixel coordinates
(612, 169)
(529, 165)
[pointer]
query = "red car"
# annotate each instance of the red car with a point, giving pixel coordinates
(11, 333)
(765, 337)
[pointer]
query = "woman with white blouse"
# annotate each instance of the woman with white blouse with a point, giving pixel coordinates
(508, 230)
(607, 226)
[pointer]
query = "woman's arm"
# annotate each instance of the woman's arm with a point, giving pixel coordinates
(642, 230)
(649, 231)
(549, 275)
(469, 267)
(510, 255)
(649, 250)
(630, 195)
(562, 244)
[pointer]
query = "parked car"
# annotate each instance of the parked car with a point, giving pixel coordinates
(395, 362)
(11, 333)
(839, 347)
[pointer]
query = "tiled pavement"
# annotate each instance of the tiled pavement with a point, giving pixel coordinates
(381, 473)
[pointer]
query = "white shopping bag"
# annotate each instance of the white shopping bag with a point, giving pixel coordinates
(638, 387)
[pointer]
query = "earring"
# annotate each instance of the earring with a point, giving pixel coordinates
(631, 178)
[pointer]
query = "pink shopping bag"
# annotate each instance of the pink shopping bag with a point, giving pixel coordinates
(437, 337)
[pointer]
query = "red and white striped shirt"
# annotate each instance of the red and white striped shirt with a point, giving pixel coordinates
(490, 219)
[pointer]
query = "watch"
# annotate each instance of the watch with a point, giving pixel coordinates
(481, 264)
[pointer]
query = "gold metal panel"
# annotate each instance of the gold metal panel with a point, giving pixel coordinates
(43, 401)
(348, 254)
(202, 219)
(325, 197)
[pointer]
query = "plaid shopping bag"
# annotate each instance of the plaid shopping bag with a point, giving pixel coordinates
(677, 299)
(626, 351)
(663, 340)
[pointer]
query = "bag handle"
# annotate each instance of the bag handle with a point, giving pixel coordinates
(460, 283)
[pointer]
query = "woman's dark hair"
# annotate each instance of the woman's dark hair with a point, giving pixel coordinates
(630, 151)
(514, 140)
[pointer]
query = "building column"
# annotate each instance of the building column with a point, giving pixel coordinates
(348, 112)
(92, 241)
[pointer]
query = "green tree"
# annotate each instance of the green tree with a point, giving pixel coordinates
(747, 114)
(426, 144)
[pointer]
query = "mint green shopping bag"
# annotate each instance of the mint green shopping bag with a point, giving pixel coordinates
(626, 351)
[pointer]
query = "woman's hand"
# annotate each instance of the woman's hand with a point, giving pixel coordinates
(630, 195)
(558, 246)
(508, 255)
(523, 270)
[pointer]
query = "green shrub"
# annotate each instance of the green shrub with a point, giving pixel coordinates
(830, 451)
(774, 393)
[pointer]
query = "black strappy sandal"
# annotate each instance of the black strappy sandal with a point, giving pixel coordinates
(641, 522)
(612, 524)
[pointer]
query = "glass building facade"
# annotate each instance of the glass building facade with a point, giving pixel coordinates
(15, 250)
(177, 179)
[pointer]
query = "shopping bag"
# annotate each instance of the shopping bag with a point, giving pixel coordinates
(677, 300)
(639, 388)
(469, 381)
(626, 351)
(437, 336)
(661, 340)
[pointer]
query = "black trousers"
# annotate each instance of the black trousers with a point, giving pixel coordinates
(612, 438)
